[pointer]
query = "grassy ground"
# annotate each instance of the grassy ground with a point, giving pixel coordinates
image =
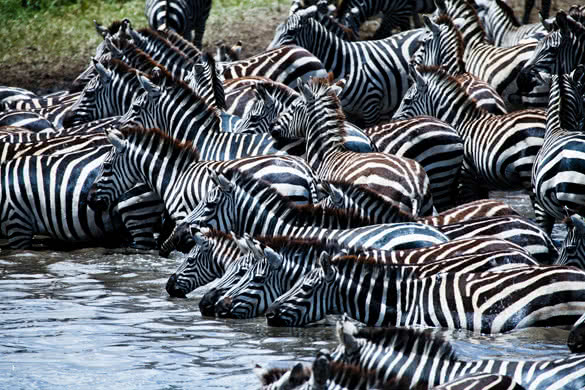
(44, 50)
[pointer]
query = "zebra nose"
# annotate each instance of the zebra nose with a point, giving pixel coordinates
(223, 307)
(207, 303)
(172, 289)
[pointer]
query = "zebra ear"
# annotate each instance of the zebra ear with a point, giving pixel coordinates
(306, 92)
(548, 24)
(561, 20)
(297, 374)
(154, 91)
(274, 258)
(429, 24)
(102, 72)
(579, 223)
(117, 139)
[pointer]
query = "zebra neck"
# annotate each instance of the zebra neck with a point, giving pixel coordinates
(472, 30)
(331, 50)
(324, 137)
(456, 108)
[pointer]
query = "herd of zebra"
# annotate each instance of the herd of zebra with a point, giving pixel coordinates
(331, 175)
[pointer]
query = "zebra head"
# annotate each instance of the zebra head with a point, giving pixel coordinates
(114, 177)
(197, 269)
(415, 101)
(142, 105)
(257, 289)
(262, 115)
(94, 95)
(573, 249)
(232, 275)
(289, 31)
(310, 299)
(556, 49)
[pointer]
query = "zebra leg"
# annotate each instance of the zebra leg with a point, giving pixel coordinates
(545, 221)
(19, 230)
(545, 8)
(141, 211)
(528, 5)
(470, 188)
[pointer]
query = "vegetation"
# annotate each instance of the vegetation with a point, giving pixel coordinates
(57, 37)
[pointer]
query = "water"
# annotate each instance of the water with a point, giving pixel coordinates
(100, 319)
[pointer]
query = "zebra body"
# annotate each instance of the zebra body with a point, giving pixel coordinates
(9, 95)
(186, 17)
(501, 27)
(244, 205)
(319, 120)
(37, 200)
(383, 295)
(376, 71)
(500, 67)
(435, 145)
(557, 174)
(442, 45)
(518, 230)
(499, 149)
(381, 349)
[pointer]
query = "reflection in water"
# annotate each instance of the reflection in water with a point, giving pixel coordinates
(101, 319)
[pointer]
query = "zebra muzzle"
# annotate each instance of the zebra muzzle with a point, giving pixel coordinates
(172, 288)
(223, 307)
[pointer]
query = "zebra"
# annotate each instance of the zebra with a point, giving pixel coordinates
(442, 45)
(564, 46)
(558, 169)
(186, 17)
(501, 27)
(174, 172)
(499, 149)
(9, 95)
(275, 272)
(213, 253)
(408, 354)
(329, 374)
(374, 87)
(37, 200)
(382, 295)
(498, 66)
(360, 200)
(244, 205)
(318, 119)
(27, 120)
(576, 339)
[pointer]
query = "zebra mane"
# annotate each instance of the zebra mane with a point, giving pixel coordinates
(115, 26)
(155, 36)
(460, 49)
(306, 214)
(508, 12)
(121, 68)
(279, 243)
(362, 259)
(174, 38)
(406, 340)
(145, 62)
(445, 77)
(319, 86)
(165, 141)
(348, 187)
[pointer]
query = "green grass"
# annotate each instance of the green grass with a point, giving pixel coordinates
(66, 34)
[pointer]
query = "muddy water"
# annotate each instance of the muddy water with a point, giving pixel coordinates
(100, 319)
